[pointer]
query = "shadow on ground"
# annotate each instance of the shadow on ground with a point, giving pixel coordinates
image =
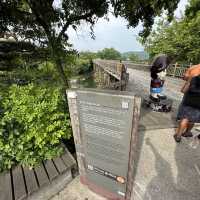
(170, 172)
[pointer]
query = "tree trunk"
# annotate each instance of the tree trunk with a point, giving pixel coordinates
(57, 57)
(60, 70)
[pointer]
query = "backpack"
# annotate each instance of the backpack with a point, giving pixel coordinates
(192, 97)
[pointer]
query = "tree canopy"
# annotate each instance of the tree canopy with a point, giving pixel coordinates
(88, 55)
(181, 38)
(45, 16)
(133, 57)
(46, 22)
(109, 54)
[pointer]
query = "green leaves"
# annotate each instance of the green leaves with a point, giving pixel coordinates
(181, 39)
(49, 20)
(109, 54)
(32, 125)
(192, 9)
(143, 11)
(133, 57)
(46, 23)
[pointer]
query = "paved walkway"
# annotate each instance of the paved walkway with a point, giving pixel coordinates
(76, 191)
(165, 170)
(139, 83)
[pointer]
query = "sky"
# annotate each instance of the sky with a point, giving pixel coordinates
(112, 33)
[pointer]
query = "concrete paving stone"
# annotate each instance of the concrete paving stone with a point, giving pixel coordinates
(76, 191)
(167, 170)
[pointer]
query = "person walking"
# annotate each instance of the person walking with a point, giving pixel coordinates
(189, 109)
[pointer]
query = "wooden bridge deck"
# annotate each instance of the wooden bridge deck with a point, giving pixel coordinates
(139, 83)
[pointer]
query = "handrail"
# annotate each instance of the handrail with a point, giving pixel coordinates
(110, 66)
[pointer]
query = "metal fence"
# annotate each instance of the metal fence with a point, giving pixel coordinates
(174, 70)
(177, 70)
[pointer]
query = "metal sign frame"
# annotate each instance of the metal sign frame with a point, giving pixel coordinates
(73, 96)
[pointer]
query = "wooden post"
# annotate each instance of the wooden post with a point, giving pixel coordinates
(102, 77)
(95, 72)
(73, 108)
(133, 149)
(108, 80)
(175, 67)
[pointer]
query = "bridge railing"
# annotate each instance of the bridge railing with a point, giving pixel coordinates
(110, 74)
(109, 66)
(113, 74)
(175, 70)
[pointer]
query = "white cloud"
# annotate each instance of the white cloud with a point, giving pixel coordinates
(181, 8)
(112, 33)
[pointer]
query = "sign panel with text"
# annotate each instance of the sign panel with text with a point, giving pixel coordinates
(106, 124)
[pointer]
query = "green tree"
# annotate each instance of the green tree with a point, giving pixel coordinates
(87, 55)
(133, 57)
(181, 38)
(84, 63)
(162, 40)
(32, 123)
(47, 21)
(109, 54)
(192, 9)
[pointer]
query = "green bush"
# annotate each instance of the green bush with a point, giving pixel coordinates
(31, 126)
(82, 67)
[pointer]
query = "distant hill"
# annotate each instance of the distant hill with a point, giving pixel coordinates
(141, 54)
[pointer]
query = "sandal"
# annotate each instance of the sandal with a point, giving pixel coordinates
(177, 138)
(188, 134)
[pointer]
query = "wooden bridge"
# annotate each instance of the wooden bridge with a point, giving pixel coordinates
(139, 83)
(174, 70)
(110, 74)
(112, 67)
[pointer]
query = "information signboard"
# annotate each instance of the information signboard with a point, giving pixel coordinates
(105, 131)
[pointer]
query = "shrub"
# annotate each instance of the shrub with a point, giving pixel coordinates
(32, 125)
(82, 67)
